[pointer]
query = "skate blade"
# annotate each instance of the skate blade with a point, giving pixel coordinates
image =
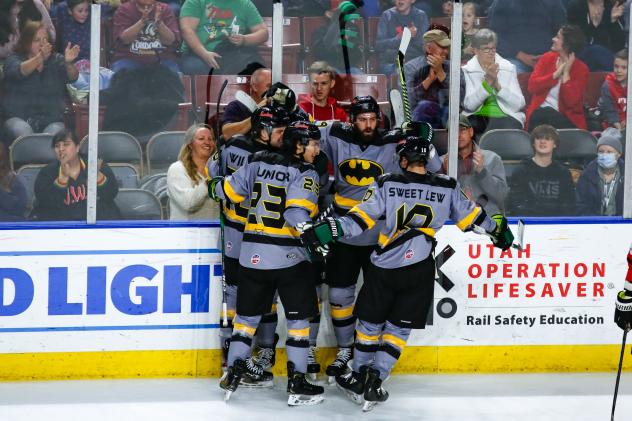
(227, 394)
(303, 400)
(313, 377)
(259, 385)
(353, 397)
(368, 406)
(331, 380)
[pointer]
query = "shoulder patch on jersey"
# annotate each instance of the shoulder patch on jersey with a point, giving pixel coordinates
(269, 157)
(396, 178)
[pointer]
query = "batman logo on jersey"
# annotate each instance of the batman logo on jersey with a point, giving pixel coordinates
(360, 172)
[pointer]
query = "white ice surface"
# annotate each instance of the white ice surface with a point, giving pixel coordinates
(516, 397)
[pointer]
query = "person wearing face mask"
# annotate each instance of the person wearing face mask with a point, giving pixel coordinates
(600, 187)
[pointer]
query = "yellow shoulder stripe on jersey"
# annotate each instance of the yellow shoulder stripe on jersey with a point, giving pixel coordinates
(305, 204)
(260, 228)
(467, 221)
(383, 240)
(232, 195)
(345, 202)
(394, 340)
(366, 218)
(241, 328)
(298, 333)
(366, 339)
(232, 215)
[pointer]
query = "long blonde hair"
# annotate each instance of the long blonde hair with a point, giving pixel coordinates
(186, 152)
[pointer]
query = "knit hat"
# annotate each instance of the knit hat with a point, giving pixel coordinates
(610, 141)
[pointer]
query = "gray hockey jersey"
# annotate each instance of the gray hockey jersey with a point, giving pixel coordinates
(234, 155)
(282, 193)
(415, 207)
(356, 166)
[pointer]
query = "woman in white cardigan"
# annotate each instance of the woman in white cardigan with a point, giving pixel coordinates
(186, 180)
(493, 99)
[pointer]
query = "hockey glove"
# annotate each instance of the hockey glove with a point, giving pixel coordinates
(316, 251)
(212, 184)
(623, 311)
(503, 237)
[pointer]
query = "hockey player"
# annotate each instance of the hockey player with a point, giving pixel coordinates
(268, 125)
(360, 153)
(398, 286)
(283, 190)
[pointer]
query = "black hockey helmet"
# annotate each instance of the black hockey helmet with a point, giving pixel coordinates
(280, 95)
(267, 118)
(298, 133)
(364, 104)
(414, 149)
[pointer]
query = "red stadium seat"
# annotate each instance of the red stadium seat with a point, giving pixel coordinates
(207, 90)
(291, 44)
(299, 83)
(348, 87)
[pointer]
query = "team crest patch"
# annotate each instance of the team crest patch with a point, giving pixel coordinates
(229, 246)
(409, 254)
(255, 259)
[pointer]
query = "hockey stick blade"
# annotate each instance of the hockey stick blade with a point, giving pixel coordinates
(403, 43)
(246, 100)
(397, 105)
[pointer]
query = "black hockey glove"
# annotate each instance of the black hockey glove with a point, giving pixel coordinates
(503, 237)
(623, 311)
(317, 237)
(211, 184)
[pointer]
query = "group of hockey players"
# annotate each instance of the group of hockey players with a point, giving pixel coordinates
(280, 236)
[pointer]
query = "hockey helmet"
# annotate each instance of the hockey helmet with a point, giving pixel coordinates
(268, 118)
(280, 95)
(414, 149)
(298, 133)
(364, 104)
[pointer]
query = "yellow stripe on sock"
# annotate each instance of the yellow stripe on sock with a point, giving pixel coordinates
(238, 327)
(367, 339)
(298, 333)
(394, 340)
(341, 313)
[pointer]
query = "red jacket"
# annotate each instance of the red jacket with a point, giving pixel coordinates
(571, 104)
(332, 111)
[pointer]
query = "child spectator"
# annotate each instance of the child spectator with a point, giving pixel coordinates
(558, 82)
(13, 193)
(469, 30)
(145, 32)
(389, 33)
(75, 26)
(61, 186)
(600, 187)
(614, 92)
(35, 83)
(541, 186)
(319, 104)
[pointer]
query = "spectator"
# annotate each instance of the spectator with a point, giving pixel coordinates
(61, 186)
(470, 29)
(319, 104)
(614, 92)
(221, 36)
(447, 8)
(186, 178)
(236, 118)
(481, 173)
(35, 11)
(427, 79)
(541, 186)
(9, 31)
(602, 24)
(35, 83)
(524, 28)
(13, 195)
(75, 27)
(558, 83)
(340, 50)
(600, 187)
(389, 33)
(493, 99)
(145, 32)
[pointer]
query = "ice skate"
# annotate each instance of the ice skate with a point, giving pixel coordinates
(313, 368)
(266, 357)
(374, 393)
(255, 376)
(339, 366)
(230, 380)
(352, 384)
(301, 392)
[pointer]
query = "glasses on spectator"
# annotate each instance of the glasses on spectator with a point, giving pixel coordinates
(488, 50)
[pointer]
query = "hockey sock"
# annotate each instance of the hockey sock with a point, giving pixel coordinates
(342, 318)
(366, 344)
(393, 343)
(244, 328)
(297, 344)
(314, 324)
(267, 328)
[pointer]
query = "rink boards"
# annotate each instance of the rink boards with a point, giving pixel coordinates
(143, 300)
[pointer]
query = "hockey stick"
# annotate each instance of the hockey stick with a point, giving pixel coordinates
(518, 245)
(221, 210)
(401, 55)
(246, 101)
(395, 98)
(616, 385)
(277, 41)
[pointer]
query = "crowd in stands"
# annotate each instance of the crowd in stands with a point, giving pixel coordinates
(526, 65)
